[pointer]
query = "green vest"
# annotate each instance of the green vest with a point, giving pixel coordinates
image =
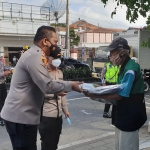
(111, 74)
(131, 111)
(138, 84)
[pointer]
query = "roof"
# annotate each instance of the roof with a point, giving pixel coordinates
(82, 23)
(60, 28)
(103, 30)
(106, 30)
(90, 28)
(133, 28)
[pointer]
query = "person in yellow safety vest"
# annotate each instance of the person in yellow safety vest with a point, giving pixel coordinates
(25, 47)
(109, 76)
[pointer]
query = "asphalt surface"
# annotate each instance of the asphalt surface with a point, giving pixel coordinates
(87, 122)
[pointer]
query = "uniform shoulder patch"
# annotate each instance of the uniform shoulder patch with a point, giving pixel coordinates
(45, 61)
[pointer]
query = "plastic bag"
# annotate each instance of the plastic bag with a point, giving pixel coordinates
(103, 90)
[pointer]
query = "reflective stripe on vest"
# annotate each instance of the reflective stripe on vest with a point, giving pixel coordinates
(111, 74)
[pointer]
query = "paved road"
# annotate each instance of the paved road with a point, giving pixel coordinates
(87, 122)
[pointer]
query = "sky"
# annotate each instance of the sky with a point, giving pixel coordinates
(92, 11)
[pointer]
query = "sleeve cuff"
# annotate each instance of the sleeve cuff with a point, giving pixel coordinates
(68, 86)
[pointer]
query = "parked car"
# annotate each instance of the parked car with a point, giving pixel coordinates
(9, 68)
(73, 63)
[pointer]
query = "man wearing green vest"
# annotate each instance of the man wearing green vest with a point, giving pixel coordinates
(131, 110)
(109, 76)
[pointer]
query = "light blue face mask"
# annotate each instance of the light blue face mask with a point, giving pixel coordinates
(56, 62)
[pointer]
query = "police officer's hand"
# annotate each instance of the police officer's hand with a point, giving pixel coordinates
(6, 73)
(62, 94)
(75, 86)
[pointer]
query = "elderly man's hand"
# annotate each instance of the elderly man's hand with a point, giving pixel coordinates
(75, 86)
(87, 94)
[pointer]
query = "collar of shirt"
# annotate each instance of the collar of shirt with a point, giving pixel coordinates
(37, 47)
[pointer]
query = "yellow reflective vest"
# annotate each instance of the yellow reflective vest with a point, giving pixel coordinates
(111, 74)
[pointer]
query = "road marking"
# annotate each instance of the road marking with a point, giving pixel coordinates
(77, 98)
(86, 140)
(86, 112)
(147, 98)
(144, 144)
(147, 103)
(148, 107)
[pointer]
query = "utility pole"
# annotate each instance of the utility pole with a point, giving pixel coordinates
(67, 42)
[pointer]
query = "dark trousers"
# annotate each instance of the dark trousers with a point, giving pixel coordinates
(23, 137)
(50, 130)
(107, 107)
(3, 94)
(113, 114)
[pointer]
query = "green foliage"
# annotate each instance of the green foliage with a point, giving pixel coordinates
(69, 74)
(134, 8)
(74, 38)
(59, 24)
(76, 73)
(146, 43)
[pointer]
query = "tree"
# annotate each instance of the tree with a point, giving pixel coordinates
(74, 38)
(134, 9)
(59, 24)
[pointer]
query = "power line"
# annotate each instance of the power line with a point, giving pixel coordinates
(119, 26)
(95, 19)
(76, 18)
(85, 8)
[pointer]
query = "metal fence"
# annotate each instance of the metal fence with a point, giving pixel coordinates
(23, 12)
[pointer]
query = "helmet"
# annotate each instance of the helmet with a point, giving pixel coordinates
(135, 59)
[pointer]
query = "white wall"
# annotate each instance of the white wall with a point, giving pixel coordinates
(20, 27)
(15, 41)
(144, 53)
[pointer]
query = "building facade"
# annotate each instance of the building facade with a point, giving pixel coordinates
(18, 24)
(92, 37)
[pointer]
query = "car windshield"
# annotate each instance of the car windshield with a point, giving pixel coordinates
(100, 53)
